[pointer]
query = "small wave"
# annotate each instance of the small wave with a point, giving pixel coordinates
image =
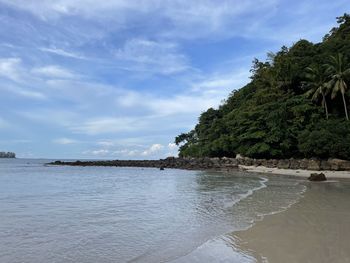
(250, 191)
(226, 244)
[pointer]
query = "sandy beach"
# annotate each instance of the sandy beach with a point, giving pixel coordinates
(293, 172)
(316, 229)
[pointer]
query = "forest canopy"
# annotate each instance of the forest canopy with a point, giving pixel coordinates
(296, 105)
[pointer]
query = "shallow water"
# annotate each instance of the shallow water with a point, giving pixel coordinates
(109, 214)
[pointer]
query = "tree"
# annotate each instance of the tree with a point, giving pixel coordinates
(271, 116)
(317, 82)
(339, 70)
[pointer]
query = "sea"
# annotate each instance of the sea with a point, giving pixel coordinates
(61, 214)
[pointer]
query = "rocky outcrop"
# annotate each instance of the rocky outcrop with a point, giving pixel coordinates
(317, 177)
(314, 164)
(170, 162)
(303, 164)
(7, 155)
(338, 165)
(221, 163)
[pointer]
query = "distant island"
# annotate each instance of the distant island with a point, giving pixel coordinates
(295, 106)
(7, 155)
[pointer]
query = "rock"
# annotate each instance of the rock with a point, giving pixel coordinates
(283, 164)
(294, 164)
(263, 162)
(161, 168)
(338, 164)
(218, 163)
(233, 162)
(239, 156)
(248, 161)
(317, 177)
(304, 164)
(314, 164)
(325, 165)
(272, 163)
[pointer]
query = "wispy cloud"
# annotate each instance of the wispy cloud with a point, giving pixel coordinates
(155, 148)
(151, 56)
(65, 141)
(153, 151)
(10, 68)
(107, 125)
(61, 52)
(186, 18)
(53, 71)
(24, 92)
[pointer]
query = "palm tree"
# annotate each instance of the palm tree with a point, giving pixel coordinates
(318, 85)
(339, 70)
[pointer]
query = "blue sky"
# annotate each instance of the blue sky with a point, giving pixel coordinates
(121, 78)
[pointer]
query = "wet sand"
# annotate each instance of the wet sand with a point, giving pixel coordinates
(316, 229)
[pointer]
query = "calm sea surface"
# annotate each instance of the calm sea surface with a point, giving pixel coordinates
(109, 214)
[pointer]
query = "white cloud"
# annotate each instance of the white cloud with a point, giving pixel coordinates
(24, 92)
(172, 146)
(106, 143)
(126, 153)
(218, 81)
(205, 92)
(64, 141)
(151, 56)
(185, 18)
(107, 125)
(62, 52)
(10, 68)
(155, 148)
(53, 71)
(99, 152)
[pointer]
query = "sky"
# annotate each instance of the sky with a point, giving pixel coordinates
(119, 79)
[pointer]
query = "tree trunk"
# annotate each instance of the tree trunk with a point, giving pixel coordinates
(345, 108)
(325, 104)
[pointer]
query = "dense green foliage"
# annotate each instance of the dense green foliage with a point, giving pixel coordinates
(294, 106)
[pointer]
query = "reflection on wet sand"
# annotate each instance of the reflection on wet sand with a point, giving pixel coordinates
(314, 230)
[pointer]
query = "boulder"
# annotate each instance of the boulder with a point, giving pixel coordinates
(239, 156)
(248, 161)
(325, 165)
(283, 164)
(263, 162)
(304, 164)
(294, 164)
(314, 164)
(338, 164)
(274, 163)
(317, 177)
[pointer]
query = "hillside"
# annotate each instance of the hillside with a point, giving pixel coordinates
(296, 105)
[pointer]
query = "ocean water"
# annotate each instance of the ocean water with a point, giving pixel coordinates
(109, 214)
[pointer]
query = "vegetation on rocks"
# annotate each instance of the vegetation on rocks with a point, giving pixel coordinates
(7, 155)
(296, 105)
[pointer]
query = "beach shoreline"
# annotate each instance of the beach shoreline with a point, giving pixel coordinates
(292, 172)
(332, 168)
(314, 229)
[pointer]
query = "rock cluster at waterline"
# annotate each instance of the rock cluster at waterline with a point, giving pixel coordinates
(221, 163)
